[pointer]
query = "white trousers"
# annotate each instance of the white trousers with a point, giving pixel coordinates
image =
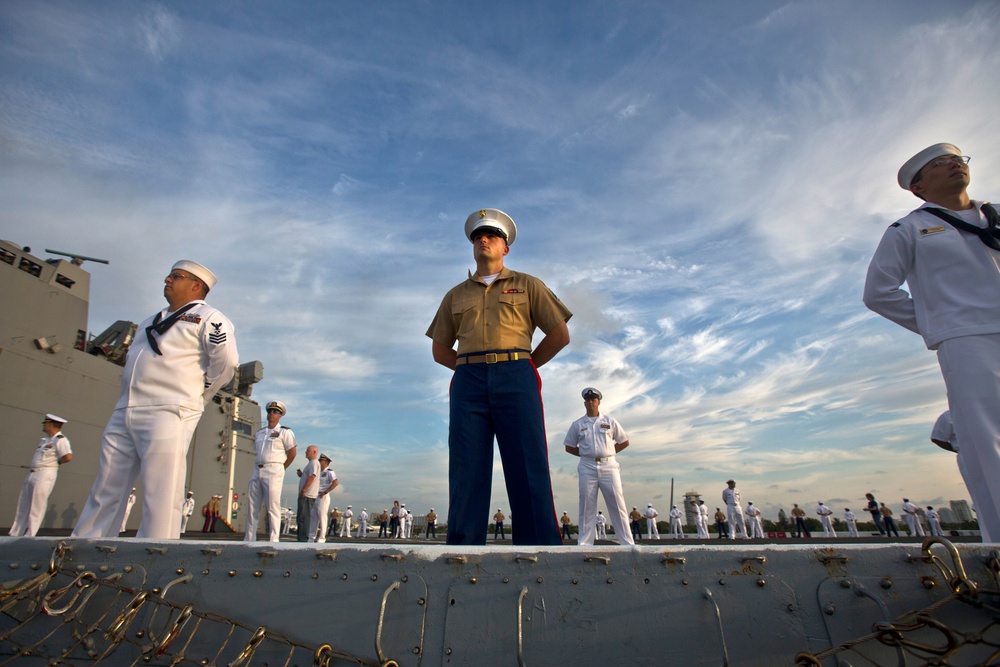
(675, 527)
(150, 443)
(756, 526)
(936, 527)
(913, 525)
(601, 532)
(265, 489)
(702, 524)
(828, 530)
(31, 503)
(651, 529)
(345, 527)
(971, 369)
(852, 528)
(734, 515)
(318, 519)
(184, 522)
(363, 528)
(603, 476)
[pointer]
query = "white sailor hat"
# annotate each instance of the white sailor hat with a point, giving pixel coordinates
(402, 504)
(432, 509)
(493, 219)
(324, 457)
(590, 392)
(348, 507)
(277, 405)
(197, 270)
(916, 163)
(55, 419)
(649, 504)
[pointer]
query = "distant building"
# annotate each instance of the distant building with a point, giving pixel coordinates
(947, 516)
(962, 510)
(689, 510)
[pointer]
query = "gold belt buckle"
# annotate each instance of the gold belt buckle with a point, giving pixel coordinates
(491, 357)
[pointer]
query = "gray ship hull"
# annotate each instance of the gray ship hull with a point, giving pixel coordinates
(122, 602)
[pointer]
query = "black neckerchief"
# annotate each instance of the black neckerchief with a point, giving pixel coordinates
(989, 235)
(162, 327)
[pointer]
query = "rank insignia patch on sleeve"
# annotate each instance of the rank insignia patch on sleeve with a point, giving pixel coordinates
(217, 337)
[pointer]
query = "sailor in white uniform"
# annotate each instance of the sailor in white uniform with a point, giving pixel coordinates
(179, 360)
(129, 504)
(934, 519)
(601, 524)
(651, 528)
(756, 527)
(824, 513)
(596, 439)
(321, 510)
(702, 520)
(187, 510)
(407, 522)
(675, 522)
(363, 523)
(947, 252)
(275, 449)
(852, 522)
(912, 519)
(734, 511)
(53, 451)
(345, 524)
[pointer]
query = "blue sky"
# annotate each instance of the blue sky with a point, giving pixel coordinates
(703, 184)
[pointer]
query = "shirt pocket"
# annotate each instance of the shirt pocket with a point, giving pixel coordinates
(464, 316)
(515, 310)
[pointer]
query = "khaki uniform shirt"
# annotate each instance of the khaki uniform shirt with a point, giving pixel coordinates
(634, 515)
(496, 317)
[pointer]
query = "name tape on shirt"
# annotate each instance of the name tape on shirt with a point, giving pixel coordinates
(513, 291)
(931, 230)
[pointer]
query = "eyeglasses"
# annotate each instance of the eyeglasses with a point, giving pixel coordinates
(274, 411)
(180, 276)
(949, 159)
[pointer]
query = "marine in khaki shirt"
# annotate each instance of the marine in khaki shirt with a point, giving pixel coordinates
(495, 390)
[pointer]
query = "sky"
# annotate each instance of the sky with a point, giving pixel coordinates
(702, 184)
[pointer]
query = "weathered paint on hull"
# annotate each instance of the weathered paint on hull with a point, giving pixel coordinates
(439, 605)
